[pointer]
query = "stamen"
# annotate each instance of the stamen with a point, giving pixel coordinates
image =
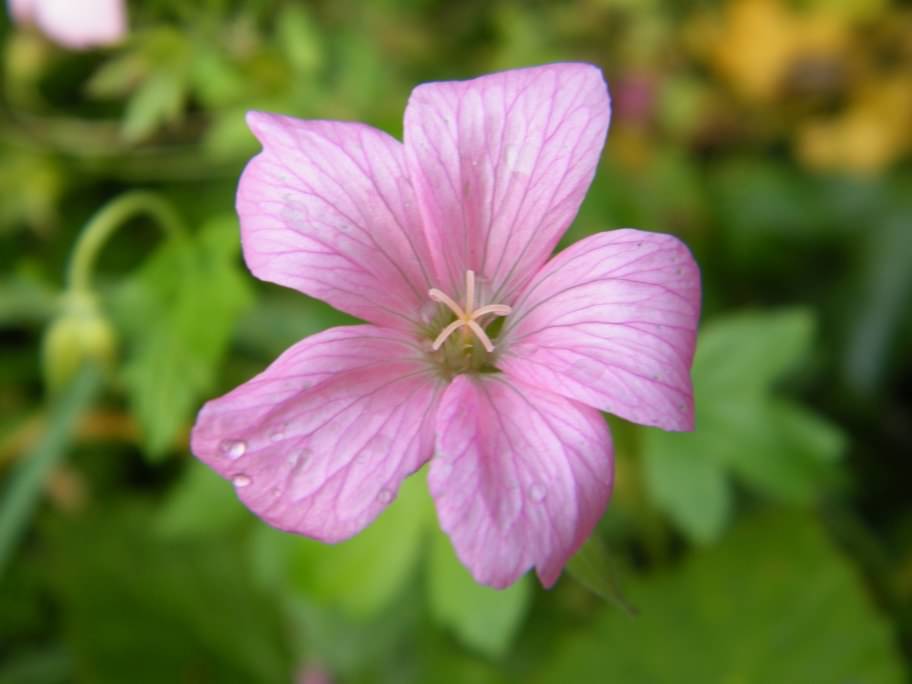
(470, 291)
(469, 316)
(481, 335)
(443, 298)
(497, 309)
(446, 332)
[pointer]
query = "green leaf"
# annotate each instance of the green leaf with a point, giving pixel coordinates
(362, 575)
(776, 602)
(483, 618)
(593, 567)
(159, 100)
(179, 312)
(774, 446)
(743, 354)
(136, 608)
(299, 39)
(688, 485)
(201, 503)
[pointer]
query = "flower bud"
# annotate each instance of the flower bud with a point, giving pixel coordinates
(80, 334)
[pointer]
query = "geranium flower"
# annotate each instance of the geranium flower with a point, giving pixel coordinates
(480, 355)
(76, 24)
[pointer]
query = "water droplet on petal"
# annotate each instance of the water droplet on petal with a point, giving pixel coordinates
(537, 492)
(241, 481)
(233, 448)
(384, 496)
(277, 432)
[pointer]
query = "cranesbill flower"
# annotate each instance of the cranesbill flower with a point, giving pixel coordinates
(480, 354)
(76, 24)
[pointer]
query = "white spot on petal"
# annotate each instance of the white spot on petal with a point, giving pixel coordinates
(384, 496)
(240, 481)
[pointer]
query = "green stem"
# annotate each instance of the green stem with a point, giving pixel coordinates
(106, 221)
(25, 483)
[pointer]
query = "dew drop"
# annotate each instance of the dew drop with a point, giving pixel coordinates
(537, 493)
(233, 448)
(277, 432)
(384, 496)
(241, 481)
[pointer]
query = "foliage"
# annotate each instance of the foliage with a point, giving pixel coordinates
(774, 543)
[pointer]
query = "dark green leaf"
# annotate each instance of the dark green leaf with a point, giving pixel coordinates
(776, 602)
(123, 590)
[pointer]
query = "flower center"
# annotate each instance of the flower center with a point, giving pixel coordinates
(467, 318)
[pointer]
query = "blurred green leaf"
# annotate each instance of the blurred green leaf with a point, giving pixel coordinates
(593, 567)
(774, 446)
(159, 100)
(362, 575)
(49, 665)
(31, 186)
(743, 354)
(201, 503)
(125, 591)
(882, 303)
(776, 602)
(299, 39)
(117, 76)
(689, 486)
(483, 618)
(179, 311)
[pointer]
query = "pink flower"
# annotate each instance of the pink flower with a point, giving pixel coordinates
(480, 355)
(75, 24)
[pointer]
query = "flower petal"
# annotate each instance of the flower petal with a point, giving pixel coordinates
(520, 478)
(319, 443)
(327, 209)
(21, 10)
(502, 164)
(612, 322)
(83, 24)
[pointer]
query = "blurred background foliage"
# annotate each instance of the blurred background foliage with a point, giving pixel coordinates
(774, 544)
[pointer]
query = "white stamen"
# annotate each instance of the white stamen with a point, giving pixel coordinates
(446, 332)
(469, 317)
(497, 309)
(443, 298)
(481, 335)
(470, 291)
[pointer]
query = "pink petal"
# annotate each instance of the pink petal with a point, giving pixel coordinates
(319, 443)
(612, 322)
(83, 24)
(502, 164)
(327, 208)
(21, 10)
(520, 478)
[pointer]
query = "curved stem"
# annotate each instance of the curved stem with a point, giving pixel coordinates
(106, 221)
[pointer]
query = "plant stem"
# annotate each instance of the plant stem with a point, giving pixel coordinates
(106, 221)
(25, 483)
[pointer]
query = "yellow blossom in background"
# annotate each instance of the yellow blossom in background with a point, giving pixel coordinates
(755, 43)
(870, 134)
